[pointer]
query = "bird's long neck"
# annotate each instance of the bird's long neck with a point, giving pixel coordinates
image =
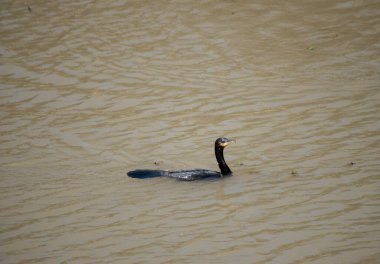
(224, 169)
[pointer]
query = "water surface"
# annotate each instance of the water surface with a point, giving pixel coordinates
(90, 90)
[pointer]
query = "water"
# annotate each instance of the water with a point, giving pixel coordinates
(90, 90)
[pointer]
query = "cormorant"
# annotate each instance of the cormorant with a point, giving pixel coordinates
(195, 174)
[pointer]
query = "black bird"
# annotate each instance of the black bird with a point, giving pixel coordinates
(195, 174)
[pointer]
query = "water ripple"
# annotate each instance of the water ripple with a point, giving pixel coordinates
(90, 91)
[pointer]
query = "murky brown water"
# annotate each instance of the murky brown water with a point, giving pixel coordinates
(91, 89)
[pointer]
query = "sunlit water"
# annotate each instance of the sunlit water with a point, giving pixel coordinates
(91, 89)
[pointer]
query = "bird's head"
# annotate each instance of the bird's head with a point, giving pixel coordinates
(223, 142)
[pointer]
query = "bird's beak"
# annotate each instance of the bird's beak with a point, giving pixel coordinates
(228, 142)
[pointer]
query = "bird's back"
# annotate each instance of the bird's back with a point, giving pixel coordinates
(194, 174)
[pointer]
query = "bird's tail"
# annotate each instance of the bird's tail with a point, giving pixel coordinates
(144, 174)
